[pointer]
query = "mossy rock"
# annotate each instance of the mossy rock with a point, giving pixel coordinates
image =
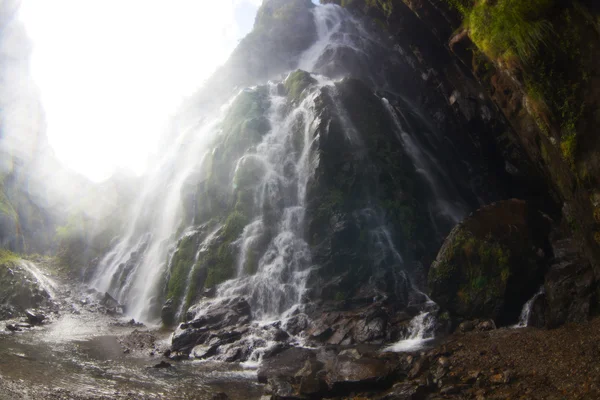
(18, 289)
(492, 262)
(296, 83)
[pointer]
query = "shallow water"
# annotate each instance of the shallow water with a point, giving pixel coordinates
(81, 354)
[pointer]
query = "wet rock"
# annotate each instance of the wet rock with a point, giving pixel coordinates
(109, 301)
(487, 325)
(184, 340)
(466, 326)
(450, 389)
(280, 387)
(13, 328)
(220, 396)
(280, 335)
(287, 363)
(296, 324)
(420, 366)
(162, 364)
(167, 313)
(569, 286)
(406, 391)
(34, 317)
(220, 314)
(350, 353)
(489, 266)
(347, 375)
(275, 349)
(202, 351)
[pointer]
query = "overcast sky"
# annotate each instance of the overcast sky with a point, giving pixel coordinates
(111, 72)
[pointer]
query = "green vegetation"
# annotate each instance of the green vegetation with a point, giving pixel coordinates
(545, 41)
(8, 258)
(182, 262)
(296, 82)
(509, 28)
(480, 269)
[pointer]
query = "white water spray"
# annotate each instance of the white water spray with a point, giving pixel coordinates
(45, 283)
(420, 331)
(527, 308)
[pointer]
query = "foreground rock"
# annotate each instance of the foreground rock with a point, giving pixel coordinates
(299, 373)
(492, 262)
(34, 317)
(496, 364)
(222, 330)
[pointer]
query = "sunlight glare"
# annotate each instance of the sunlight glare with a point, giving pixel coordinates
(110, 72)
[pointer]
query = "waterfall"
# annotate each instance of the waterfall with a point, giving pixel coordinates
(279, 282)
(431, 170)
(259, 153)
(526, 311)
(133, 268)
(419, 332)
(45, 283)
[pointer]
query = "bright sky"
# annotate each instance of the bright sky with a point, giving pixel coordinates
(111, 72)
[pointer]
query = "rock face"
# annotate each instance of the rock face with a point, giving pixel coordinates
(569, 288)
(216, 323)
(305, 373)
(492, 262)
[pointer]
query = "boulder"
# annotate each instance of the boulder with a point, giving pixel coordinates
(492, 262)
(167, 313)
(34, 317)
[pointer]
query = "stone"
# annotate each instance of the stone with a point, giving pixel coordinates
(569, 287)
(167, 313)
(466, 326)
(487, 325)
(286, 363)
(12, 328)
(489, 265)
(406, 391)
(162, 364)
(34, 317)
(202, 351)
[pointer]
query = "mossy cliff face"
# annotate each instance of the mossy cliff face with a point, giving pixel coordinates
(533, 61)
(492, 262)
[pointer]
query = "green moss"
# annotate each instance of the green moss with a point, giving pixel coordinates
(481, 266)
(296, 82)
(8, 258)
(568, 147)
(182, 262)
(509, 28)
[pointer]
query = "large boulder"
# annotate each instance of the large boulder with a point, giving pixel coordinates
(492, 262)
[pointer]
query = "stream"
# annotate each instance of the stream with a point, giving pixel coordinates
(83, 353)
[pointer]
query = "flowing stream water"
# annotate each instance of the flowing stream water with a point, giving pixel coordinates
(420, 331)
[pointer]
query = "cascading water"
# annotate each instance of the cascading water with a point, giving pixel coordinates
(133, 268)
(280, 280)
(132, 271)
(45, 283)
(226, 207)
(419, 332)
(527, 308)
(431, 170)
